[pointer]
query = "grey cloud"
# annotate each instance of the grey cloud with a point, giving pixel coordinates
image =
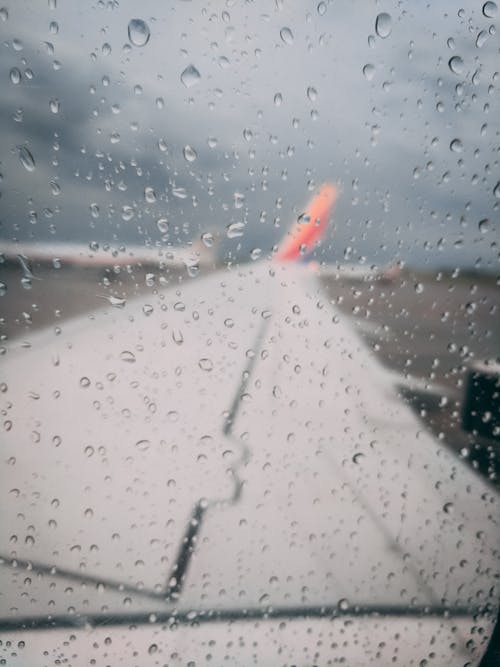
(368, 136)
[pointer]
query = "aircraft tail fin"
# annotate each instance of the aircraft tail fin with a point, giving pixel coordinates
(310, 226)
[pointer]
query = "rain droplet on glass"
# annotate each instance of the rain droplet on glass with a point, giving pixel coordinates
(481, 38)
(383, 25)
(207, 239)
(235, 230)
(162, 224)
(26, 158)
(206, 364)
(189, 153)
(15, 76)
(490, 10)
(456, 65)
(369, 71)
(138, 32)
(312, 94)
(190, 76)
(484, 226)
(286, 36)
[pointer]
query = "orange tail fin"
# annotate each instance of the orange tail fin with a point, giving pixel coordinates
(310, 226)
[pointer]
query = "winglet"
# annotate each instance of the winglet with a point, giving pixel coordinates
(310, 226)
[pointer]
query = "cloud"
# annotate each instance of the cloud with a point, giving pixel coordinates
(269, 118)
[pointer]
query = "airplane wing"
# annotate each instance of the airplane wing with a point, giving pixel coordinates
(237, 454)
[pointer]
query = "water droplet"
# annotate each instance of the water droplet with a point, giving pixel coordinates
(238, 199)
(15, 76)
(26, 158)
(255, 254)
(369, 71)
(189, 153)
(3, 289)
(162, 224)
(235, 230)
(278, 100)
(481, 38)
(419, 288)
(180, 193)
(358, 457)
(456, 146)
(208, 239)
(177, 336)
(147, 309)
(383, 25)
(206, 364)
(54, 106)
(490, 10)
(484, 226)
(55, 188)
(153, 649)
(321, 8)
(286, 36)
(84, 382)
(149, 195)
(456, 65)
(312, 94)
(138, 32)
(162, 145)
(4, 14)
(448, 508)
(127, 356)
(496, 190)
(142, 445)
(192, 270)
(247, 134)
(115, 301)
(127, 213)
(190, 76)
(344, 604)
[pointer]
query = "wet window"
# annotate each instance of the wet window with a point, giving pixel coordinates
(250, 360)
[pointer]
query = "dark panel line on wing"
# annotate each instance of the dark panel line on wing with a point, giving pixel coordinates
(178, 574)
(56, 571)
(247, 374)
(217, 616)
(185, 552)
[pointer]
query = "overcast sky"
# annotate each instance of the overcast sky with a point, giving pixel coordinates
(290, 94)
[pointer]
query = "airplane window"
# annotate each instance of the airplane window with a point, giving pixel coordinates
(249, 321)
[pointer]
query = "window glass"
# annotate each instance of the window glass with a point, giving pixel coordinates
(249, 373)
